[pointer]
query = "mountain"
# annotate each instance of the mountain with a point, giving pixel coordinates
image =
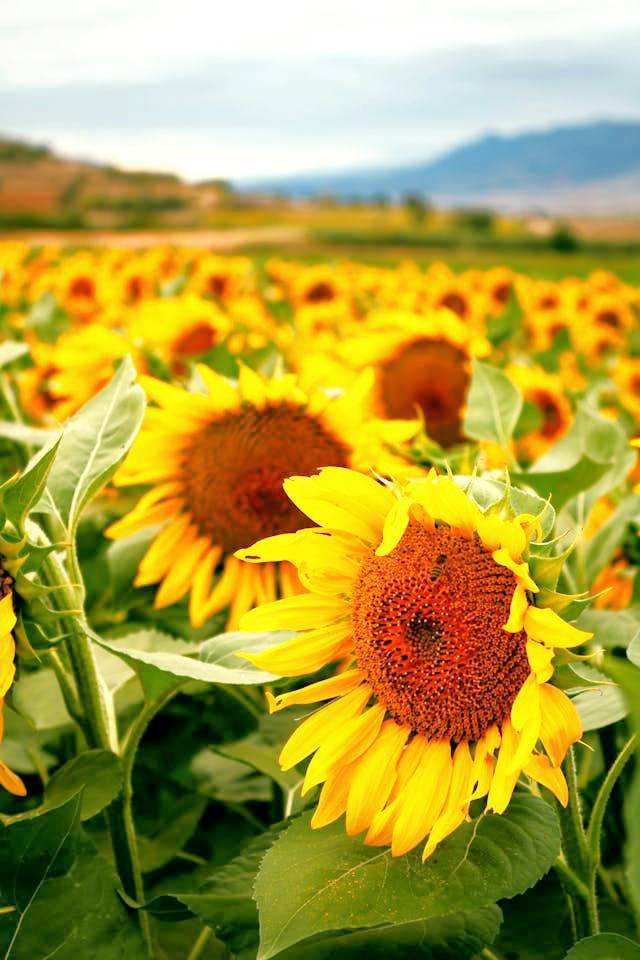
(590, 167)
(39, 188)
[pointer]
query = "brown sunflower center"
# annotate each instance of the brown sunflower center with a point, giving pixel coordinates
(82, 287)
(609, 319)
(428, 628)
(552, 419)
(432, 375)
(200, 338)
(455, 302)
(320, 292)
(236, 466)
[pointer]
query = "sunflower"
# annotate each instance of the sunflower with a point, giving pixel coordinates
(68, 373)
(626, 376)
(217, 461)
(546, 392)
(446, 697)
(178, 329)
(422, 363)
(8, 779)
(221, 277)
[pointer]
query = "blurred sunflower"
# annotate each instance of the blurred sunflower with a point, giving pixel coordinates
(8, 779)
(446, 698)
(177, 329)
(422, 363)
(218, 460)
(626, 376)
(68, 373)
(546, 392)
(221, 277)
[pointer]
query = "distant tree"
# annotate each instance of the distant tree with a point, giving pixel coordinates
(563, 239)
(477, 219)
(417, 206)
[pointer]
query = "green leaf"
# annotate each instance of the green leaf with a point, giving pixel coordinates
(228, 781)
(222, 651)
(12, 350)
(97, 773)
(594, 455)
(599, 550)
(610, 628)
(342, 885)
(600, 706)
(160, 672)
(158, 850)
(456, 936)
(94, 442)
(36, 696)
(261, 748)
(604, 946)
(224, 901)
(65, 894)
(563, 484)
(486, 492)
(25, 434)
(19, 498)
(493, 405)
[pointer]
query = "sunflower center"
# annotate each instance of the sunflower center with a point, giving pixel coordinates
(200, 338)
(432, 375)
(320, 292)
(456, 303)
(82, 287)
(236, 466)
(428, 628)
(609, 319)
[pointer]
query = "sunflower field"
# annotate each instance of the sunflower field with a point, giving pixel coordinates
(319, 609)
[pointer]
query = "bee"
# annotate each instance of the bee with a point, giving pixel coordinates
(438, 568)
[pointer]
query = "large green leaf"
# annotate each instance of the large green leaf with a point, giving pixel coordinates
(486, 492)
(342, 885)
(20, 497)
(605, 946)
(158, 850)
(493, 405)
(97, 773)
(160, 672)
(64, 894)
(12, 350)
(594, 455)
(94, 442)
(600, 706)
(599, 550)
(564, 484)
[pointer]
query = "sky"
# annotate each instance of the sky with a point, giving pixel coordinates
(247, 90)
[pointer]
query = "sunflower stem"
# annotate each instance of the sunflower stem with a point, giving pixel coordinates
(94, 720)
(570, 880)
(576, 856)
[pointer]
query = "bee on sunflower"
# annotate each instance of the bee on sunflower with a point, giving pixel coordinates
(217, 461)
(446, 696)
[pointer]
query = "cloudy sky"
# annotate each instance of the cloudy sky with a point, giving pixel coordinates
(268, 87)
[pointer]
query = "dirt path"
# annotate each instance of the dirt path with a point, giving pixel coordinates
(221, 239)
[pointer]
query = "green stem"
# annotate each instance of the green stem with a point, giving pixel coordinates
(203, 939)
(96, 728)
(576, 858)
(570, 880)
(594, 831)
(67, 688)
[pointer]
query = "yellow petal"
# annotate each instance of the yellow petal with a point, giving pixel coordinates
(201, 586)
(344, 746)
(521, 570)
(332, 801)
(161, 553)
(545, 626)
(322, 690)
(296, 613)
(517, 610)
(457, 803)
(560, 725)
(504, 776)
(395, 525)
(540, 658)
(423, 798)
(7, 614)
(308, 736)
(251, 387)
(381, 830)
(305, 653)
(11, 781)
(374, 777)
(180, 575)
(541, 770)
(525, 717)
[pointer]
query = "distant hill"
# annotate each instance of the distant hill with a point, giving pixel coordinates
(39, 188)
(594, 167)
